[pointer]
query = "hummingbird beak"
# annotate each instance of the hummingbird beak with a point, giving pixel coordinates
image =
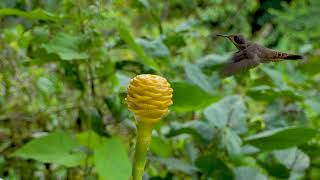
(222, 35)
(226, 36)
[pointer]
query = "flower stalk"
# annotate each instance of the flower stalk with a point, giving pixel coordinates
(149, 97)
(141, 150)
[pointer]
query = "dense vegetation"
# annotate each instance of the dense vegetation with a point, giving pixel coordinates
(65, 66)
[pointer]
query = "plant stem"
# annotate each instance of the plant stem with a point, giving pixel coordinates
(144, 134)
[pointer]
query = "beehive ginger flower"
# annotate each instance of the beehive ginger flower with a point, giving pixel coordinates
(149, 97)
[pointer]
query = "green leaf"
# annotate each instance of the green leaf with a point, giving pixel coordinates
(58, 147)
(89, 139)
(96, 122)
(111, 160)
(276, 77)
(232, 142)
(156, 48)
(280, 114)
(196, 128)
(145, 3)
(281, 138)
(188, 97)
(37, 14)
(213, 61)
(160, 147)
(293, 158)
(126, 35)
(173, 164)
(174, 40)
(245, 173)
(211, 165)
(66, 46)
(195, 75)
(313, 104)
(266, 93)
(230, 111)
(45, 85)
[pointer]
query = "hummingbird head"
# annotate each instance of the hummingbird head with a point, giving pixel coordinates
(237, 40)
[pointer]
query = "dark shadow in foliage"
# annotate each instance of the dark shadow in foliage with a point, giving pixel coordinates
(214, 167)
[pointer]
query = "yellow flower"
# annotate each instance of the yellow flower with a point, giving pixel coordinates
(149, 97)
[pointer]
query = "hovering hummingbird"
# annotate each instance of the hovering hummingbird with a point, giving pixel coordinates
(251, 55)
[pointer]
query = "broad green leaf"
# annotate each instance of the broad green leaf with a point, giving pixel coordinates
(66, 46)
(58, 147)
(281, 138)
(45, 85)
(195, 75)
(154, 48)
(213, 61)
(173, 164)
(188, 97)
(211, 165)
(230, 111)
(246, 172)
(89, 139)
(293, 158)
(111, 160)
(275, 115)
(248, 149)
(274, 168)
(196, 128)
(126, 35)
(232, 142)
(265, 92)
(161, 147)
(37, 14)
(313, 104)
(191, 150)
(123, 80)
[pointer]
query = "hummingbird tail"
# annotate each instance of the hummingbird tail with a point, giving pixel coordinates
(276, 55)
(293, 57)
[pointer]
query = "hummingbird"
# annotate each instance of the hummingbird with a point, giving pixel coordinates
(250, 55)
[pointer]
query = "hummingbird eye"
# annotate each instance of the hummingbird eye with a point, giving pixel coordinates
(238, 40)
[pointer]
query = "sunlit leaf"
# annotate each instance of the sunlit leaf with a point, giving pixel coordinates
(58, 147)
(188, 97)
(281, 138)
(111, 160)
(37, 14)
(89, 139)
(161, 147)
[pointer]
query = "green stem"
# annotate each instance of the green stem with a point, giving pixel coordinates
(144, 134)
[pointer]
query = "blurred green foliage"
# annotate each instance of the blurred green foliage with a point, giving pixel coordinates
(65, 66)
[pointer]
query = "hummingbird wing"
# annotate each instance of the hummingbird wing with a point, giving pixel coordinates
(239, 62)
